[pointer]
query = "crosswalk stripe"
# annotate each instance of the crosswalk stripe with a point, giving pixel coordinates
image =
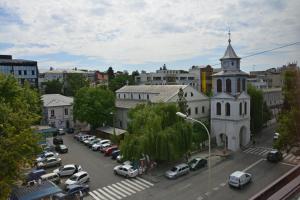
(107, 195)
(99, 195)
(93, 195)
(284, 155)
(136, 185)
(140, 183)
(287, 157)
(126, 188)
(134, 188)
(256, 151)
(143, 180)
(248, 150)
(263, 152)
(111, 193)
(117, 191)
(292, 158)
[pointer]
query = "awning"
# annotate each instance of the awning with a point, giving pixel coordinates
(110, 130)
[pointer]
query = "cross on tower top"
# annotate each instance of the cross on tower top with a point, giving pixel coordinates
(229, 40)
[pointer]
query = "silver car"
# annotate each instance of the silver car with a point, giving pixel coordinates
(177, 171)
(68, 170)
(49, 162)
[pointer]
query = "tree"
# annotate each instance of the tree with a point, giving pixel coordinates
(73, 83)
(119, 81)
(156, 131)
(53, 87)
(20, 107)
(94, 106)
(256, 108)
(182, 103)
(110, 73)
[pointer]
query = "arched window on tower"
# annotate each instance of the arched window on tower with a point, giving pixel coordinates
(219, 85)
(228, 85)
(244, 84)
(241, 108)
(227, 109)
(238, 85)
(245, 108)
(218, 108)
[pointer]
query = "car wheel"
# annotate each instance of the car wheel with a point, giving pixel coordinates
(88, 180)
(126, 176)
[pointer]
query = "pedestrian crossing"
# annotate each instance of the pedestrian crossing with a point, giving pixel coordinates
(263, 151)
(120, 190)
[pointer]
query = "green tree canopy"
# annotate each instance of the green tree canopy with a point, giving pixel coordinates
(73, 83)
(53, 87)
(20, 107)
(94, 106)
(119, 81)
(155, 130)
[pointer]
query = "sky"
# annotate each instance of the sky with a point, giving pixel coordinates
(145, 34)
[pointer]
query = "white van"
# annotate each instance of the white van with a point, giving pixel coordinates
(238, 179)
(51, 177)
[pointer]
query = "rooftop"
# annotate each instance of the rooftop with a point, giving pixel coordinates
(7, 60)
(53, 100)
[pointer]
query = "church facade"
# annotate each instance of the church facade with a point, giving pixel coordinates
(230, 104)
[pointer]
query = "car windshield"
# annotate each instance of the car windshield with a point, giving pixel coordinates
(194, 161)
(174, 169)
(73, 178)
(61, 168)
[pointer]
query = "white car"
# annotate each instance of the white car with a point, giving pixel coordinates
(239, 179)
(49, 162)
(87, 141)
(67, 170)
(45, 156)
(126, 170)
(98, 145)
(78, 178)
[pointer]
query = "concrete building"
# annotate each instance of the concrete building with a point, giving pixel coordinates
(272, 77)
(128, 97)
(199, 77)
(230, 104)
(274, 99)
(57, 111)
(22, 70)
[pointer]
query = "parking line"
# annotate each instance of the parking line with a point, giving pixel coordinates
(134, 188)
(149, 183)
(252, 165)
(99, 195)
(126, 188)
(117, 191)
(105, 194)
(111, 193)
(133, 183)
(140, 183)
(93, 195)
(288, 164)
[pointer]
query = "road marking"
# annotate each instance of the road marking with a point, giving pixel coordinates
(248, 150)
(292, 158)
(216, 188)
(185, 187)
(105, 194)
(263, 152)
(111, 193)
(250, 166)
(99, 195)
(136, 185)
(200, 198)
(121, 189)
(207, 193)
(117, 191)
(288, 156)
(284, 155)
(134, 188)
(288, 164)
(222, 184)
(151, 184)
(126, 188)
(140, 183)
(93, 195)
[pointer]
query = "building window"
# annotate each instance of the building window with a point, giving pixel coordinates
(139, 96)
(119, 96)
(147, 96)
(192, 94)
(238, 85)
(244, 84)
(219, 85)
(25, 72)
(131, 96)
(218, 108)
(228, 85)
(189, 111)
(32, 72)
(121, 124)
(124, 96)
(185, 94)
(52, 113)
(196, 111)
(241, 107)
(203, 109)
(20, 72)
(227, 109)
(66, 111)
(245, 108)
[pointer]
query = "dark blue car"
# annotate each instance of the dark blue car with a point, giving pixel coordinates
(72, 191)
(115, 154)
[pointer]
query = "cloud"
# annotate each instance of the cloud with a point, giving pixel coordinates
(137, 32)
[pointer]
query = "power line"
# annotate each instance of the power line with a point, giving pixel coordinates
(261, 52)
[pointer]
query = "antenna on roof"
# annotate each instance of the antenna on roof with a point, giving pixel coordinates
(229, 34)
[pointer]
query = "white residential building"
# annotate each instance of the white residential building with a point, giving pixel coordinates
(230, 105)
(129, 96)
(57, 111)
(274, 99)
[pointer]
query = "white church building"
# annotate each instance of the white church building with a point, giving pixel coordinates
(230, 104)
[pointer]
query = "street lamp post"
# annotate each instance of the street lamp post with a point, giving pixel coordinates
(194, 120)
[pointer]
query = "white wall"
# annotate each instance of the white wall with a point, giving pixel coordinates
(60, 119)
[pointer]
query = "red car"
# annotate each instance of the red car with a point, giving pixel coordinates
(109, 150)
(104, 147)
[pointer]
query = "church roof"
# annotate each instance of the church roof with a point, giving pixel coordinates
(231, 73)
(230, 53)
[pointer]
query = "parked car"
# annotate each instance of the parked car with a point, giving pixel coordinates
(238, 179)
(34, 175)
(108, 151)
(115, 154)
(57, 140)
(126, 170)
(87, 141)
(274, 156)
(70, 130)
(119, 158)
(51, 177)
(61, 131)
(45, 155)
(78, 178)
(84, 137)
(178, 170)
(103, 147)
(61, 148)
(77, 136)
(275, 136)
(94, 141)
(49, 162)
(197, 163)
(68, 170)
(71, 192)
(97, 146)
